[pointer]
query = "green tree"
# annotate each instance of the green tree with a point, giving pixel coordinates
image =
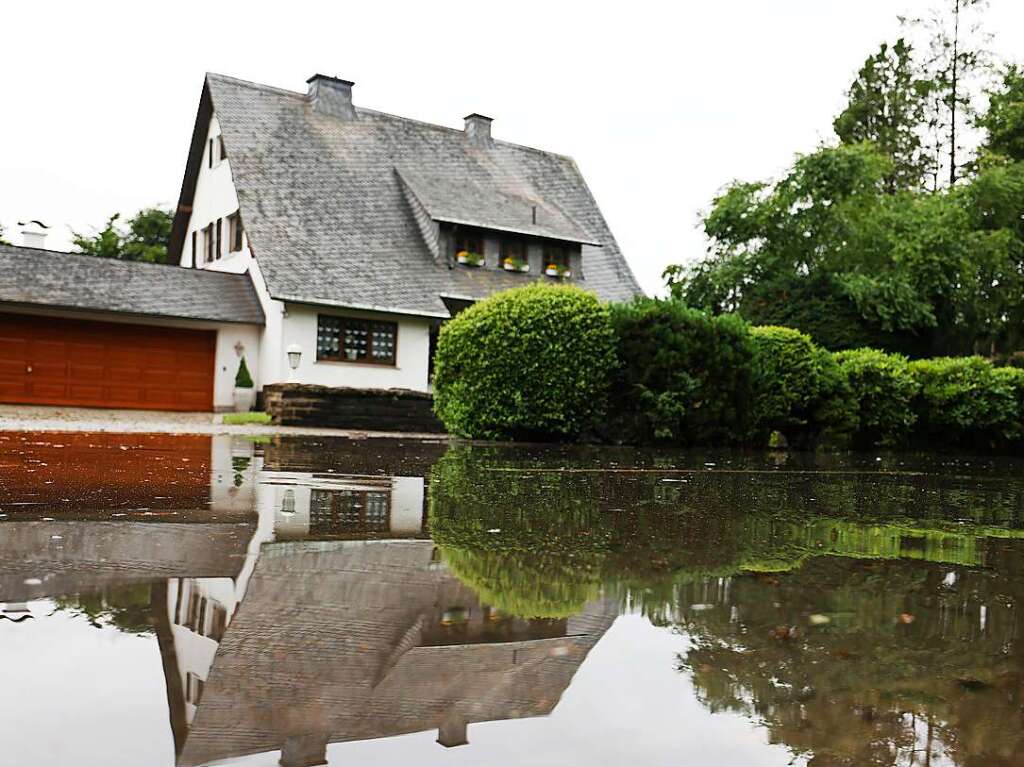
(1003, 121)
(886, 105)
(146, 238)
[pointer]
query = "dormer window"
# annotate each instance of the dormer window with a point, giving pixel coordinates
(556, 261)
(469, 249)
(514, 256)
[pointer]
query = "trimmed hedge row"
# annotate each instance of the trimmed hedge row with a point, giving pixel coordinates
(550, 362)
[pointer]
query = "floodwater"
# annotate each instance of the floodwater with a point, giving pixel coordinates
(194, 600)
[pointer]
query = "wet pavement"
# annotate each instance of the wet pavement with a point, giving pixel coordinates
(193, 600)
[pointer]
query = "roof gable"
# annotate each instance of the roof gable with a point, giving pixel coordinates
(337, 210)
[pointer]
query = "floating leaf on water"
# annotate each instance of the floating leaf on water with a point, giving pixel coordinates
(817, 619)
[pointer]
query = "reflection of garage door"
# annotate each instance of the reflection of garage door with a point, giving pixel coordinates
(52, 361)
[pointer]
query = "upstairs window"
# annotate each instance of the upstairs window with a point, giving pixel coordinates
(235, 232)
(195, 250)
(209, 243)
(513, 256)
(220, 228)
(215, 151)
(345, 339)
(556, 261)
(469, 249)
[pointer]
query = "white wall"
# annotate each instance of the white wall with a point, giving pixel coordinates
(214, 198)
(412, 356)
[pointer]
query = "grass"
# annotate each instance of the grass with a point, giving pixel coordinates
(237, 419)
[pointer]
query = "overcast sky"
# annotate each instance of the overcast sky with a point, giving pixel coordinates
(660, 103)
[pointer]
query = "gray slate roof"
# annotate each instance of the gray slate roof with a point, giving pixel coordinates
(51, 278)
(323, 202)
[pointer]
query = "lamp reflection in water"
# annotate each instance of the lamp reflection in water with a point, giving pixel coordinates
(288, 502)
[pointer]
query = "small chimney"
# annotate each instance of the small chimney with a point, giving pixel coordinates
(478, 130)
(331, 96)
(34, 234)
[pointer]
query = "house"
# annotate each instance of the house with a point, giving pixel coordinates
(363, 232)
(358, 233)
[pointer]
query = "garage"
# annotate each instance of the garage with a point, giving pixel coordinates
(56, 361)
(81, 331)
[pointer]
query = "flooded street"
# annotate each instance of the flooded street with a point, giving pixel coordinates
(220, 600)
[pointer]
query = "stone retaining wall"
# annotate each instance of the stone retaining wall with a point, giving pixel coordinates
(341, 408)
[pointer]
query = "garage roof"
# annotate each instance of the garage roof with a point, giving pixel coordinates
(55, 279)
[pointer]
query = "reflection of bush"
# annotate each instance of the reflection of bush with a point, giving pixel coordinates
(530, 588)
(532, 547)
(545, 540)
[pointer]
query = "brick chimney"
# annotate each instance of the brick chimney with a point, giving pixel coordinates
(331, 96)
(478, 130)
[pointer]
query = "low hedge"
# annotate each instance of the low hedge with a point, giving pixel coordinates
(683, 376)
(965, 401)
(800, 388)
(883, 389)
(550, 362)
(529, 363)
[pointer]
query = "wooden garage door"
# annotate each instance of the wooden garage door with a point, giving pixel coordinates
(52, 361)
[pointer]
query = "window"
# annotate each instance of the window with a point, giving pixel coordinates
(340, 512)
(193, 688)
(221, 152)
(556, 261)
(220, 227)
(235, 232)
(208, 243)
(469, 249)
(210, 154)
(513, 256)
(345, 339)
(195, 254)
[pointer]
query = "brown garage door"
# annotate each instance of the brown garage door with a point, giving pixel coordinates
(51, 361)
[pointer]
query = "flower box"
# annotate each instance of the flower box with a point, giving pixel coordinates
(515, 265)
(469, 259)
(558, 271)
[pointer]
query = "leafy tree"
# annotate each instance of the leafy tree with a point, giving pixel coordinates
(1004, 119)
(146, 239)
(887, 105)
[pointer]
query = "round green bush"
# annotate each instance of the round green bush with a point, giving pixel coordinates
(882, 390)
(684, 376)
(800, 389)
(966, 402)
(528, 363)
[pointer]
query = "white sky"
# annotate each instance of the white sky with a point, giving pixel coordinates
(660, 103)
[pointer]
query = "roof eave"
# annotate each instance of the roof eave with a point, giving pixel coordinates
(361, 307)
(513, 230)
(108, 312)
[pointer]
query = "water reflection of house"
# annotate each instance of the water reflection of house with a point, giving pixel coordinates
(85, 512)
(351, 640)
(308, 505)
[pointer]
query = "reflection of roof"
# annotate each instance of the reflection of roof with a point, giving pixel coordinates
(328, 646)
(54, 558)
(330, 218)
(52, 278)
